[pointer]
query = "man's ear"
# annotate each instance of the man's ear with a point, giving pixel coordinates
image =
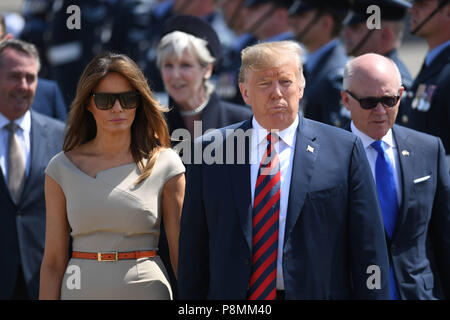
(244, 92)
(300, 93)
(345, 98)
(402, 89)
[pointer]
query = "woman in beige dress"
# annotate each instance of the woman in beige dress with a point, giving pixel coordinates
(108, 190)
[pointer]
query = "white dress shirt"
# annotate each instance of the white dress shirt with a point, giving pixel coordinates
(372, 154)
(23, 132)
(285, 150)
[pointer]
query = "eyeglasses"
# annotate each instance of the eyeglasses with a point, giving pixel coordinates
(105, 101)
(371, 102)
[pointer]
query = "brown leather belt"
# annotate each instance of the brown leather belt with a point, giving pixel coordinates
(113, 256)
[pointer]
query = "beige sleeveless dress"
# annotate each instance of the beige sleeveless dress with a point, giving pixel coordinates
(108, 214)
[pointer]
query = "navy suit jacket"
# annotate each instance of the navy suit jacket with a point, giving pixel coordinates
(334, 229)
(22, 225)
(420, 247)
(49, 100)
(423, 225)
(322, 96)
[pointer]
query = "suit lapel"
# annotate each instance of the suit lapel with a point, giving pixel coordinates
(4, 187)
(305, 155)
(406, 158)
(38, 147)
(241, 187)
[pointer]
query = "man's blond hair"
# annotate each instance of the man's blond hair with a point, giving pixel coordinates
(271, 54)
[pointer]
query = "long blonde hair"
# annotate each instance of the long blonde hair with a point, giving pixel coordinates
(149, 131)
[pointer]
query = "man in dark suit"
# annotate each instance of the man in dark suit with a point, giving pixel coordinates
(28, 141)
(48, 99)
(317, 25)
(426, 107)
(385, 40)
(411, 176)
(305, 224)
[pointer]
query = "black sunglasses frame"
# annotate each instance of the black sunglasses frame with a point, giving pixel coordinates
(112, 97)
(373, 101)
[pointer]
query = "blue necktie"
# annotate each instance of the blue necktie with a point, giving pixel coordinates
(387, 195)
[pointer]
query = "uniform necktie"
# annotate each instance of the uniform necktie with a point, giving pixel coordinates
(387, 195)
(266, 209)
(16, 162)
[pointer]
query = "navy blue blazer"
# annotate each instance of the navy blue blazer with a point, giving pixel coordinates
(49, 100)
(22, 225)
(334, 229)
(427, 107)
(420, 247)
(423, 226)
(322, 97)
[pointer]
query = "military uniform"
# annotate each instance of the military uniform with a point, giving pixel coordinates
(406, 76)
(130, 28)
(426, 107)
(391, 10)
(322, 95)
(324, 67)
(69, 51)
(36, 14)
(226, 79)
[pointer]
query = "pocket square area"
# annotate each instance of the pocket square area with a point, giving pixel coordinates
(418, 180)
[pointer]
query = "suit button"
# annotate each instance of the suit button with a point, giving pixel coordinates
(247, 261)
(393, 248)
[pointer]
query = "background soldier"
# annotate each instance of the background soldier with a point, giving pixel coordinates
(427, 106)
(359, 39)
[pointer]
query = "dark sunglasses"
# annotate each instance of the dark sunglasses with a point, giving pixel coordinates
(371, 102)
(105, 101)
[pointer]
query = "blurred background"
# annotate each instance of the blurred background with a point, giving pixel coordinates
(59, 45)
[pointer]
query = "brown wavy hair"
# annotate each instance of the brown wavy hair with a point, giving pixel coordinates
(149, 131)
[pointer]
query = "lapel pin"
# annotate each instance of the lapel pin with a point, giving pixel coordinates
(405, 152)
(310, 149)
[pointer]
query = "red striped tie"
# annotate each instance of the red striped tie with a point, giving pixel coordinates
(266, 209)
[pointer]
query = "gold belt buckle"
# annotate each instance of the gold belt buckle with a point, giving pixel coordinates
(99, 256)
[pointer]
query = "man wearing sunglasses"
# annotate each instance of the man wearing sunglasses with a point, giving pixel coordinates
(412, 180)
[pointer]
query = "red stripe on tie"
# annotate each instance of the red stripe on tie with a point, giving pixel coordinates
(266, 189)
(268, 205)
(262, 268)
(272, 294)
(267, 225)
(265, 246)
